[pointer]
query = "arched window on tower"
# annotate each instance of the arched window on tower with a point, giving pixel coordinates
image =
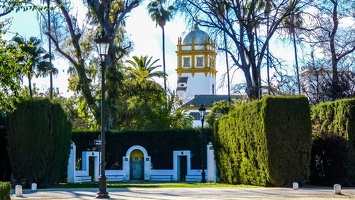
(212, 88)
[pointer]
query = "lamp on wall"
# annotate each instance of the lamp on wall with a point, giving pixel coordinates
(103, 44)
(202, 110)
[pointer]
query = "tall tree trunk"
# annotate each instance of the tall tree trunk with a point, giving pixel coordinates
(50, 53)
(335, 84)
(78, 62)
(30, 83)
(257, 52)
(228, 83)
(267, 58)
(251, 87)
(163, 34)
(296, 59)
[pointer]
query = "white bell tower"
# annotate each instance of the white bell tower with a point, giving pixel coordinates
(196, 65)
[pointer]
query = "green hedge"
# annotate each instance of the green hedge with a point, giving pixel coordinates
(159, 144)
(266, 142)
(335, 118)
(39, 142)
(5, 190)
(5, 168)
(333, 143)
(330, 161)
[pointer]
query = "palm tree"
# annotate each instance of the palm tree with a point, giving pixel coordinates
(161, 15)
(35, 58)
(144, 98)
(291, 23)
(142, 69)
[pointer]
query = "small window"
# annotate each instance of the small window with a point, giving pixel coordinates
(196, 115)
(199, 62)
(186, 62)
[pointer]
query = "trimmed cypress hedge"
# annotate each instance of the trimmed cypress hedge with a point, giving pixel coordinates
(39, 142)
(159, 144)
(333, 143)
(266, 142)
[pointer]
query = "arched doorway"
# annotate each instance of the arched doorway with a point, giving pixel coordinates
(136, 165)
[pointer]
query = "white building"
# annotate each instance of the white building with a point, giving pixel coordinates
(196, 65)
(196, 71)
(136, 165)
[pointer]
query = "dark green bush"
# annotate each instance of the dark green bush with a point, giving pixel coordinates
(5, 190)
(159, 144)
(330, 161)
(333, 144)
(5, 168)
(39, 142)
(266, 142)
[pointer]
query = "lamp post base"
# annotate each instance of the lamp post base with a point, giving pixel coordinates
(203, 179)
(102, 193)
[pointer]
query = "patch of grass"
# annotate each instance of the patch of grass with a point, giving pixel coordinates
(153, 185)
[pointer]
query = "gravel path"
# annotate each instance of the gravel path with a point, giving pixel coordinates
(305, 193)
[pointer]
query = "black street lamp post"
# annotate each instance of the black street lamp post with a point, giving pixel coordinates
(103, 44)
(202, 110)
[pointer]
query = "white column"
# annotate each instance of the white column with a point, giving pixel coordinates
(147, 168)
(97, 165)
(71, 163)
(33, 187)
(337, 189)
(18, 191)
(125, 168)
(211, 164)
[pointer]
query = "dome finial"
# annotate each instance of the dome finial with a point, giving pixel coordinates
(196, 23)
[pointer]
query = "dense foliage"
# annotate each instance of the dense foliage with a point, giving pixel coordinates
(219, 108)
(5, 190)
(9, 72)
(159, 144)
(144, 104)
(39, 142)
(266, 142)
(74, 40)
(333, 142)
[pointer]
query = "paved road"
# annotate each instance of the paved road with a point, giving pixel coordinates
(304, 193)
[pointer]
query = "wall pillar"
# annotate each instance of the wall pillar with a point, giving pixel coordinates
(211, 164)
(71, 163)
